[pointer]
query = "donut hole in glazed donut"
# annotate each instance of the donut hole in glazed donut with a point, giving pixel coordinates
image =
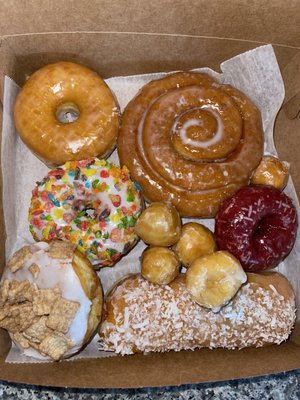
(66, 113)
(268, 237)
(90, 209)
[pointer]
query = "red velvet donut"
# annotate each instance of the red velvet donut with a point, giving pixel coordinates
(258, 225)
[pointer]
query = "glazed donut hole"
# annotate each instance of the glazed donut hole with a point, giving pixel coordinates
(196, 240)
(159, 225)
(271, 172)
(214, 279)
(159, 265)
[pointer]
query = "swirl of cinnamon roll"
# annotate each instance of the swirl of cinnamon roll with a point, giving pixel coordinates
(191, 141)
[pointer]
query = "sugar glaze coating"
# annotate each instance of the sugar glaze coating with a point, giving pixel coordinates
(258, 225)
(190, 141)
(69, 86)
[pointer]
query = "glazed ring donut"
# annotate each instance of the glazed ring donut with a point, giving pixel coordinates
(188, 140)
(258, 225)
(66, 112)
(90, 203)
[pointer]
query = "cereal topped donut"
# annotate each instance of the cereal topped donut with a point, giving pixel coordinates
(91, 203)
(50, 300)
(66, 112)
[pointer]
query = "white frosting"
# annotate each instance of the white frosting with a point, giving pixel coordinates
(56, 273)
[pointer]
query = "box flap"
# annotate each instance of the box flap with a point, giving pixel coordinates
(157, 369)
(262, 22)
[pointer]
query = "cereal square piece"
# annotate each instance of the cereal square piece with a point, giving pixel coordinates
(62, 315)
(26, 316)
(34, 269)
(4, 290)
(28, 295)
(21, 340)
(4, 311)
(36, 346)
(38, 330)
(17, 291)
(18, 317)
(44, 299)
(19, 258)
(14, 310)
(10, 323)
(55, 345)
(61, 250)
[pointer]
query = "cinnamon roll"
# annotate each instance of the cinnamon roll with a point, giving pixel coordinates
(191, 141)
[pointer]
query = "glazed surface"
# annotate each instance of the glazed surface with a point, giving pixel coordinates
(188, 140)
(258, 225)
(60, 85)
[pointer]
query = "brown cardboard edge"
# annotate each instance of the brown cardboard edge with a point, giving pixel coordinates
(214, 18)
(159, 369)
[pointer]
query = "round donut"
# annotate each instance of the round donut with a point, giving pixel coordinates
(66, 112)
(258, 225)
(190, 141)
(91, 203)
(50, 300)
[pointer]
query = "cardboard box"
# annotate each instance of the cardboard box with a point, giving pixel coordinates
(140, 36)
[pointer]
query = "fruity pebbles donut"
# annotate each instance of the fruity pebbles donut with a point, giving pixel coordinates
(91, 203)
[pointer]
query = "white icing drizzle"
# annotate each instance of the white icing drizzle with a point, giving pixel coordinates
(155, 174)
(56, 274)
(218, 135)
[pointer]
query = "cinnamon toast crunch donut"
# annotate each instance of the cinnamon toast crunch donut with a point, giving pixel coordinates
(50, 300)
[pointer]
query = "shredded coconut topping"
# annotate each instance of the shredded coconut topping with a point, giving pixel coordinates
(149, 317)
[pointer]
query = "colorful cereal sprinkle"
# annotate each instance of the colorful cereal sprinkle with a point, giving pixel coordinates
(92, 203)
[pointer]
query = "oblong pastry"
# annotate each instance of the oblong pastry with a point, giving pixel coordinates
(50, 300)
(65, 112)
(145, 317)
(189, 140)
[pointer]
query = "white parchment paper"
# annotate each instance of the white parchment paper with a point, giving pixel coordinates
(256, 73)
